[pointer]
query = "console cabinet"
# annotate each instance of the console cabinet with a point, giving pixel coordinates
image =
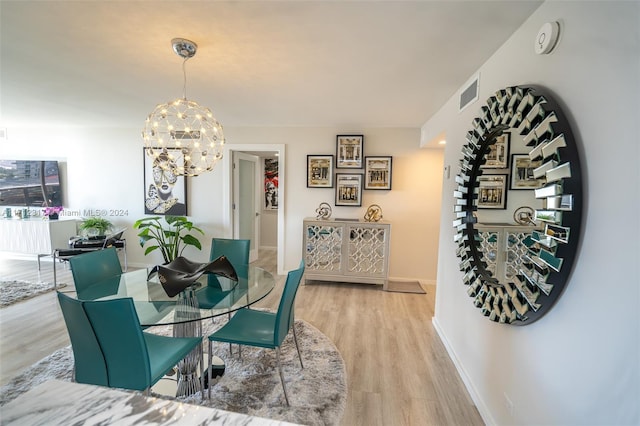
(346, 251)
(35, 236)
(504, 247)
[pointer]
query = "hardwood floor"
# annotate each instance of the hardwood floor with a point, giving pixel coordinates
(398, 371)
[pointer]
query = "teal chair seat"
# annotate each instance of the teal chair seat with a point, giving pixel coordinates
(250, 327)
(263, 329)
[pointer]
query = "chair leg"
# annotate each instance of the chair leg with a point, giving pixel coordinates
(201, 372)
(55, 277)
(209, 371)
(284, 388)
(295, 339)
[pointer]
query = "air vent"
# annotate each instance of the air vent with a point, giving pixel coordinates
(470, 93)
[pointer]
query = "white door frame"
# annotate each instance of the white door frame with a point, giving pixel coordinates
(227, 191)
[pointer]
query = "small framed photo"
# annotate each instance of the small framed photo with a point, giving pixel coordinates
(349, 151)
(492, 192)
(319, 171)
(377, 172)
(348, 189)
(498, 155)
(522, 176)
(165, 191)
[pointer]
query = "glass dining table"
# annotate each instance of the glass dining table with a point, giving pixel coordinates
(185, 311)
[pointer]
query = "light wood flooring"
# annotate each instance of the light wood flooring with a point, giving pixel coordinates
(398, 371)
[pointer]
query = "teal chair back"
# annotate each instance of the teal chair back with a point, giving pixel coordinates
(285, 317)
(94, 266)
(90, 366)
(118, 331)
(236, 251)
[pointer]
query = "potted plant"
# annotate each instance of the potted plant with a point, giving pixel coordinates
(95, 226)
(52, 212)
(170, 240)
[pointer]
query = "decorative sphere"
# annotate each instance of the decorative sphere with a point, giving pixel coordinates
(188, 127)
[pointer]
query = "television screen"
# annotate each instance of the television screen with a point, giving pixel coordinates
(30, 183)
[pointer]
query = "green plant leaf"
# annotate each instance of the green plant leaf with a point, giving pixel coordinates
(192, 241)
(150, 249)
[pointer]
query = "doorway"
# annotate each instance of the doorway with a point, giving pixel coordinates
(257, 150)
(246, 200)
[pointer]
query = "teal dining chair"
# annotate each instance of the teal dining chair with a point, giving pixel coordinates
(134, 359)
(237, 252)
(261, 328)
(94, 266)
(89, 363)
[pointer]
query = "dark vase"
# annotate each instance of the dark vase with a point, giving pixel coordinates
(53, 216)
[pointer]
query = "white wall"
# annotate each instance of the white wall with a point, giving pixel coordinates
(578, 365)
(104, 172)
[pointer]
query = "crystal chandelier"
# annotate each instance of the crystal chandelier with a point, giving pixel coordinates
(182, 128)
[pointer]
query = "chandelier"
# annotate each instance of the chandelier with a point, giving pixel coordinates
(182, 136)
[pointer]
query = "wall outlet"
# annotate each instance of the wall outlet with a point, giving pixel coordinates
(508, 404)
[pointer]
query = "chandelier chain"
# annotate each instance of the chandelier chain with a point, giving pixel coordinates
(184, 78)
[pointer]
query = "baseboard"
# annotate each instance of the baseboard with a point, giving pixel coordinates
(485, 413)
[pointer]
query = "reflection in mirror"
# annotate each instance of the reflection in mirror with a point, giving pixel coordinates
(516, 271)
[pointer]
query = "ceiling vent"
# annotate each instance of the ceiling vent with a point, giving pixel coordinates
(469, 93)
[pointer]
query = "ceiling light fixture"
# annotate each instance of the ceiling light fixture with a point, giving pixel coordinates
(182, 128)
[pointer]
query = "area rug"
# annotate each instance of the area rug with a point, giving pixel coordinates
(250, 385)
(405, 287)
(13, 291)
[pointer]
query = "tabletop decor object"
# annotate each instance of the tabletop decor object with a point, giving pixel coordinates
(52, 212)
(323, 211)
(373, 214)
(181, 273)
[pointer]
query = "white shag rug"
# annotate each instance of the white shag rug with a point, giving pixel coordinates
(13, 291)
(250, 385)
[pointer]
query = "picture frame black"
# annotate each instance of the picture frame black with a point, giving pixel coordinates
(320, 171)
(348, 189)
(165, 192)
(378, 172)
(492, 192)
(349, 151)
(522, 173)
(498, 155)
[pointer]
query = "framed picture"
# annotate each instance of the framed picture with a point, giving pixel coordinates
(377, 172)
(348, 189)
(498, 155)
(492, 192)
(165, 192)
(271, 184)
(319, 171)
(522, 172)
(349, 151)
